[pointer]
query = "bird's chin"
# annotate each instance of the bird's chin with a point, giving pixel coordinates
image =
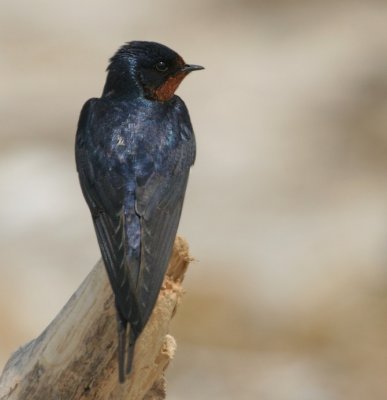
(167, 90)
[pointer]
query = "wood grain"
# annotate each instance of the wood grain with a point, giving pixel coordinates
(75, 356)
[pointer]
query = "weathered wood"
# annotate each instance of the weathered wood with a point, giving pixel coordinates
(75, 358)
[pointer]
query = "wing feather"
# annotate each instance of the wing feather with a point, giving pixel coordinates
(135, 273)
(110, 220)
(160, 218)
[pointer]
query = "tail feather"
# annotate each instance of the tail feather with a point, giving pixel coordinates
(131, 343)
(125, 356)
(121, 329)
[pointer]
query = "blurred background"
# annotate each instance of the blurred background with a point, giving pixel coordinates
(286, 210)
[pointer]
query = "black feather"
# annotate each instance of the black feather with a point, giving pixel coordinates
(133, 159)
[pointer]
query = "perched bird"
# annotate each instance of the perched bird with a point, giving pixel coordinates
(134, 149)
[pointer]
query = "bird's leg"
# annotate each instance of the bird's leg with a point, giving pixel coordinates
(132, 342)
(121, 330)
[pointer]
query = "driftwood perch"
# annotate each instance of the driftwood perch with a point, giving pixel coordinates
(76, 355)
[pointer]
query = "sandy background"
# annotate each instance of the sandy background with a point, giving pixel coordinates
(286, 211)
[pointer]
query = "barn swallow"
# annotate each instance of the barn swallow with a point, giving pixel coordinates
(134, 149)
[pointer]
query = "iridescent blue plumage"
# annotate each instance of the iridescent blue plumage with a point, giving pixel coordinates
(134, 149)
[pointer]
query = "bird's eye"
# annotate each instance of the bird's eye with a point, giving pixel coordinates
(161, 66)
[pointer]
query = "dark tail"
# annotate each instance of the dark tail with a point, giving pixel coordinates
(132, 342)
(121, 329)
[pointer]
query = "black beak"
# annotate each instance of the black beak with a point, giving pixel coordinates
(191, 67)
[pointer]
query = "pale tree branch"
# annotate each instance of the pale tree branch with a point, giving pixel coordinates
(75, 357)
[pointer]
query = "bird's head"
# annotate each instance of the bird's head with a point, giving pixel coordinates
(150, 68)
